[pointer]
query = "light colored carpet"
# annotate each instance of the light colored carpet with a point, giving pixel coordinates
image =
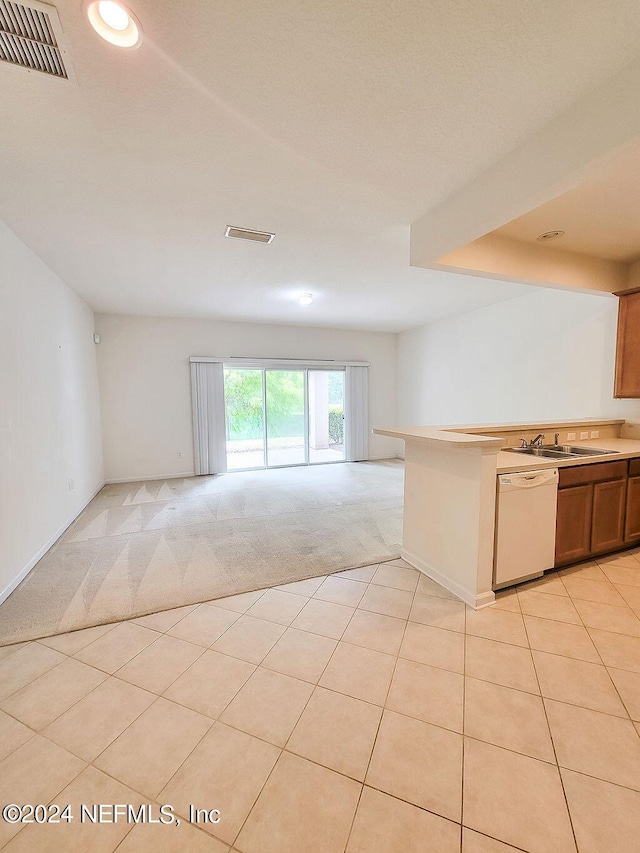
(143, 547)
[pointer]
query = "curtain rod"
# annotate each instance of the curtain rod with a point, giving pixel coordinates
(299, 362)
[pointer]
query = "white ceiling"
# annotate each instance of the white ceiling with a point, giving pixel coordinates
(332, 124)
(600, 217)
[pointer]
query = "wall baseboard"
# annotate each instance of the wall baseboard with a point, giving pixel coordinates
(486, 599)
(6, 592)
(114, 481)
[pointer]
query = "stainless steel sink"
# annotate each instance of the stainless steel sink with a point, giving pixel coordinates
(541, 451)
(559, 451)
(576, 450)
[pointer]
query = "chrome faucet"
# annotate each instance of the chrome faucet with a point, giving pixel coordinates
(537, 441)
(556, 437)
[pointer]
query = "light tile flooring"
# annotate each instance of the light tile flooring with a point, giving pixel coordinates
(367, 711)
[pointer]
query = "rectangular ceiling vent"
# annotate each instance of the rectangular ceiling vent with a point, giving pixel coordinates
(31, 38)
(248, 234)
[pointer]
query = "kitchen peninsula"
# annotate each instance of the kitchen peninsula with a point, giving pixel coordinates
(450, 490)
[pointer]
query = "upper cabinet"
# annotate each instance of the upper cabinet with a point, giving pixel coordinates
(627, 381)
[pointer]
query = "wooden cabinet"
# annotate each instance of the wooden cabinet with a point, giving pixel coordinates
(607, 521)
(632, 519)
(591, 515)
(627, 381)
(573, 523)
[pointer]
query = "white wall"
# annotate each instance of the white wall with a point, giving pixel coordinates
(49, 408)
(145, 389)
(548, 355)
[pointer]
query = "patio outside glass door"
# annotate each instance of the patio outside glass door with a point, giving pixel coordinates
(326, 415)
(276, 418)
(286, 399)
(244, 417)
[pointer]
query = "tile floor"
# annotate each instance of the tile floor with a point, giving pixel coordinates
(366, 711)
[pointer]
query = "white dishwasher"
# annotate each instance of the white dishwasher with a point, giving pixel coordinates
(525, 525)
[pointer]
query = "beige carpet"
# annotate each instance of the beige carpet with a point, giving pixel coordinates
(143, 547)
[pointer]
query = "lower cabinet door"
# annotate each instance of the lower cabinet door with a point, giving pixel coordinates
(632, 525)
(573, 523)
(607, 526)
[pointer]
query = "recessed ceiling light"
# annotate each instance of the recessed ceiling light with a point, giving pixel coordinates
(550, 235)
(114, 23)
(305, 298)
(113, 15)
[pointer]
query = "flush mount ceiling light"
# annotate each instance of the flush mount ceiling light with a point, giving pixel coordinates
(550, 235)
(247, 234)
(114, 23)
(305, 298)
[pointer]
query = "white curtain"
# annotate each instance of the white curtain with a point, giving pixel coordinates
(209, 437)
(356, 414)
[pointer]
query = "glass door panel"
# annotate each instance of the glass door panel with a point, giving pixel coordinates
(244, 415)
(286, 417)
(326, 416)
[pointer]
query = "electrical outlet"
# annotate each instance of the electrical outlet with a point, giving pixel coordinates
(584, 435)
(595, 433)
(571, 436)
(71, 485)
(179, 454)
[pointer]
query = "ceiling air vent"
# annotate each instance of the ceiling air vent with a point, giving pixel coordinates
(248, 234)
(31, 38)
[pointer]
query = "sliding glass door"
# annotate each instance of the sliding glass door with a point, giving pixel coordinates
(279, 417)
(326, 415)
(244, 418)
(286, 398)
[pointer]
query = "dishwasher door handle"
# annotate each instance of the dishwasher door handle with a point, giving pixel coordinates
(528, 480)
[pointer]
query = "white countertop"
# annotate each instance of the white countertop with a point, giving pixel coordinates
(621, 448)
(434, 435)
(479, 435)
(508, 462)
(486, 429)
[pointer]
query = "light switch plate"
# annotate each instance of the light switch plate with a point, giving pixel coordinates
(584, 434)
(571, 436)
(595, 433)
